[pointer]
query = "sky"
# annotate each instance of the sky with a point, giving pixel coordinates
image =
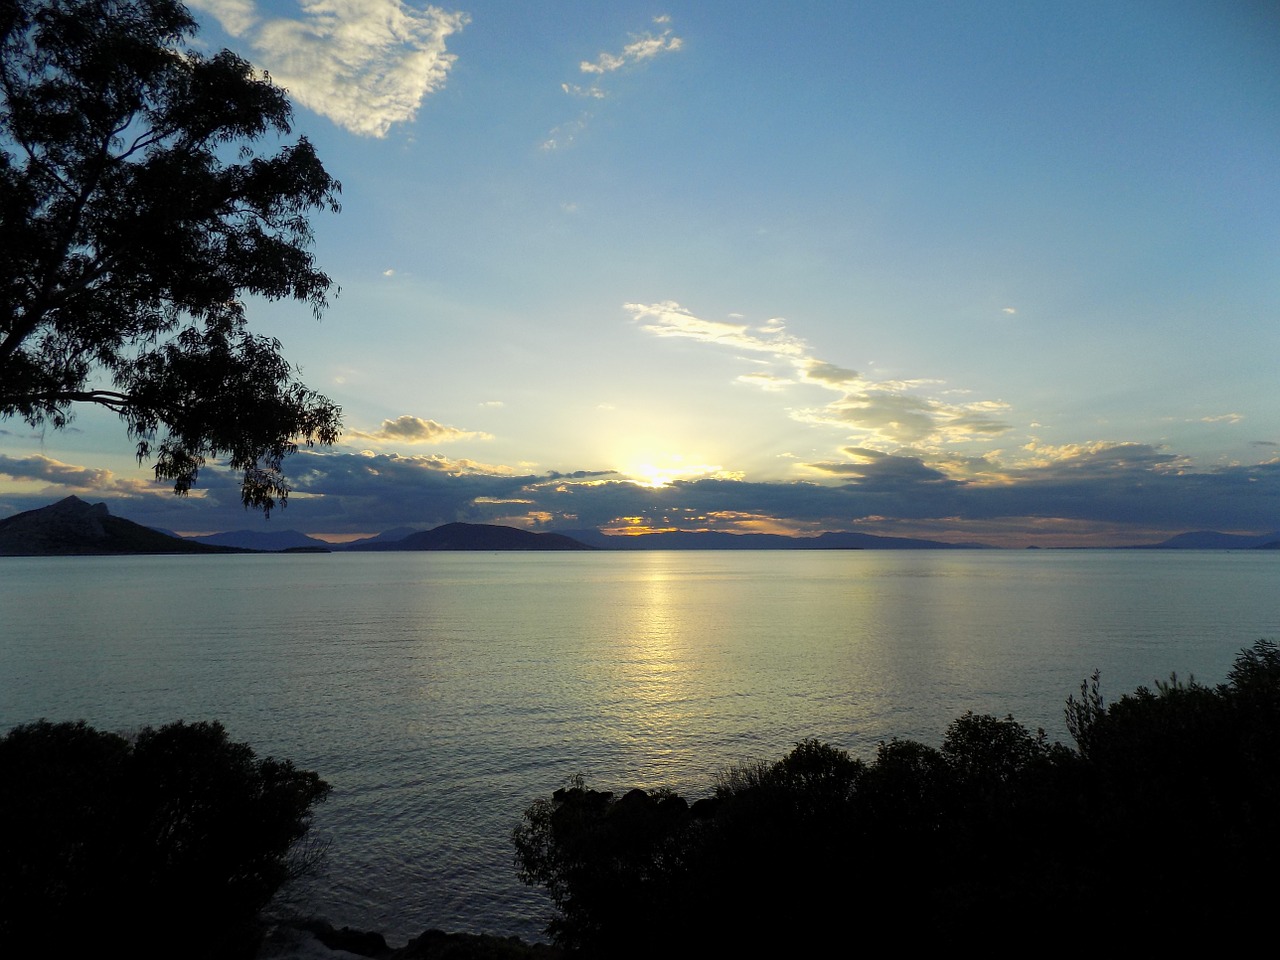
(997, 272)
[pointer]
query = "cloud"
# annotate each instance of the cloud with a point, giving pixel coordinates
(55, 473)
(828, 374)
(1122, 492)
(364, 64)
(766, 381)
(566, 133)
(236, 16)
(593, 92)
(1096, 458)
(669, 319)
(408, 429)
(882, 470)
(642, 47)
(1223, 418)
(890, 413)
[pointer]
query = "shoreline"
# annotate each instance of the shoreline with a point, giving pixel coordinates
(316, 939)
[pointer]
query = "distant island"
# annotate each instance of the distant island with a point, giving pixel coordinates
(72, 527)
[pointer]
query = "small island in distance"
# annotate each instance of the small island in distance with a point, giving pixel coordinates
(73, 527)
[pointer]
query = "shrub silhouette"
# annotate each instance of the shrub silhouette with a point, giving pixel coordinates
(1162, 814)
(176, 835)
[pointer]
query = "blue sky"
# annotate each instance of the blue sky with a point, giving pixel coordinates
(974, 271)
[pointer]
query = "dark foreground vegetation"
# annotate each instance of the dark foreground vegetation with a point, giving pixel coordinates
(164, 844)
(1163, 820)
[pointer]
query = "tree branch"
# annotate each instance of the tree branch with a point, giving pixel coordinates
(111, 399)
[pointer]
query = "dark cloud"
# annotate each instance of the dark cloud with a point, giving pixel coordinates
(878, 470)
(580, 474)
(57, 473)
(1116, 487)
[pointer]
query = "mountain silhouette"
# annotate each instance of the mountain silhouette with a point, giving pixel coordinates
(476, 536)
(72, 527)
(269, 541)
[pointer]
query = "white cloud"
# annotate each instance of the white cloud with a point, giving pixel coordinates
(236, 16)
(574, 90)
(669, 319)
(364, 64)
(642, 47)
(889, 413)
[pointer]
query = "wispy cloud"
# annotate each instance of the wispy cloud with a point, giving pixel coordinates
(669, 319)
(364, 64)
(575, 90)
(643, 47)
(409, 429)
(882, 413)
(566, 133)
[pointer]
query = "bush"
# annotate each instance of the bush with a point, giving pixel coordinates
(1163, 815)
(173, 839)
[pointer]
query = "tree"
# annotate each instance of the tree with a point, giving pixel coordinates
(137, 212)
(181, 829)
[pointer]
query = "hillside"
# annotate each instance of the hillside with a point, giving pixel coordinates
(72, 527)
(271, 541)
(1213, 540)
(476, 536)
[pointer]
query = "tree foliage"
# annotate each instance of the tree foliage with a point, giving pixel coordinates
(139, 207)
(176, 837)
(1162, 817)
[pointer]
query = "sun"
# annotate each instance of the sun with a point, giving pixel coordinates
(649, 475)
(660, 472)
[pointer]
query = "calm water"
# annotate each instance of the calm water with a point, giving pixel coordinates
(440, 693)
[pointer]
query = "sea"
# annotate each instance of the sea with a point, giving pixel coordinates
(439, 694)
